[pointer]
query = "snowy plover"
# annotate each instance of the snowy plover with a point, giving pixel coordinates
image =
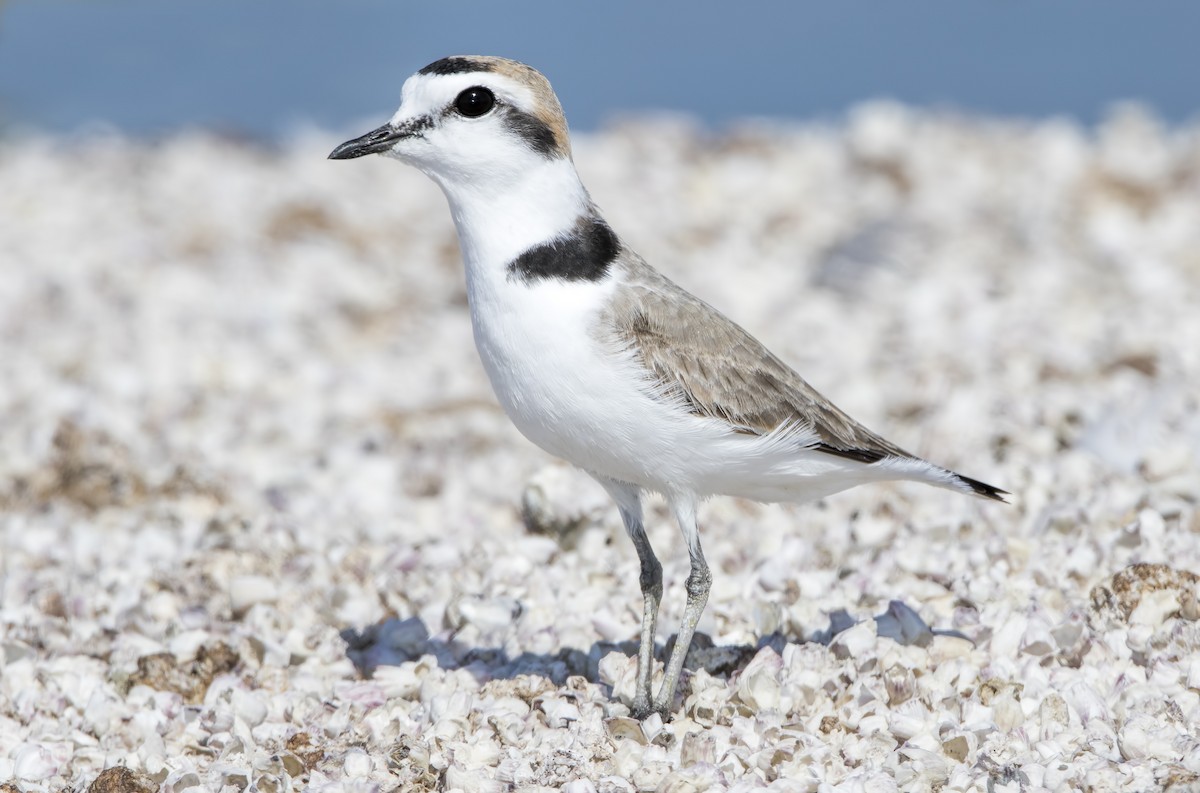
(598, 358)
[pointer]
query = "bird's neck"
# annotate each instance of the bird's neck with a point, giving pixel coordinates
(501, 219)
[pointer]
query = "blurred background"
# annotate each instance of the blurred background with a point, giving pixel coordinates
(261, 68)
(241, 406)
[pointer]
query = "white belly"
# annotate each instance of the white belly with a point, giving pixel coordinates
(567, 391)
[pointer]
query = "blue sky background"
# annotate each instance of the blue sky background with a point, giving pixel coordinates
(259, 67)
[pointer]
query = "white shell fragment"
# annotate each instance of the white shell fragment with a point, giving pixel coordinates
(263, 526)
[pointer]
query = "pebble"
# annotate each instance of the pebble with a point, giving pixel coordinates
(33, 763)
(249, 590)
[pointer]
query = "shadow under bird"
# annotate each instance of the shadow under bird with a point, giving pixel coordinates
(601, 360)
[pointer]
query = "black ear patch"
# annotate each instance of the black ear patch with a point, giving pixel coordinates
(529, 128)
(582, 255)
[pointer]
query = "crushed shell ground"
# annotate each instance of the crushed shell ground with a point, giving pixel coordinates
(263, 527)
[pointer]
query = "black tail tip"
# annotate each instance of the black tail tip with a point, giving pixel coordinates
(983, 489)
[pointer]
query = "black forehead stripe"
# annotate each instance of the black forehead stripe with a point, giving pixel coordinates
(584, 254)
(457, 65)
(529, 128)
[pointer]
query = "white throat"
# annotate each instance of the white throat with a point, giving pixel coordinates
(499, 219)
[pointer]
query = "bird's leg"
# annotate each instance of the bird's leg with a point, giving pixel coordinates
(698, 583)
(630, 504)
(651, 581)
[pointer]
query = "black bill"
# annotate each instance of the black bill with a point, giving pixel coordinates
(375, 141)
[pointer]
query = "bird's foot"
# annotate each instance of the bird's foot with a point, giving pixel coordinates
(641, 709)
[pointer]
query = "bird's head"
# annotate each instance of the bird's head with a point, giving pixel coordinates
(471, 118)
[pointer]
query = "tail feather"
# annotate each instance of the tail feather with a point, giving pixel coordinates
(982, 488)
(914, 468)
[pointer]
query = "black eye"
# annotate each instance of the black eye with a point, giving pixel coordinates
(474, 102)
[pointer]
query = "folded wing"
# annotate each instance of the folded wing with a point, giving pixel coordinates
(720, 371)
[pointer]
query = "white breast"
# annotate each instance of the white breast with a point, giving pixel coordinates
(564, 389)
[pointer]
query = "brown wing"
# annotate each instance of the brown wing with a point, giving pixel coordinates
(721, 371)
